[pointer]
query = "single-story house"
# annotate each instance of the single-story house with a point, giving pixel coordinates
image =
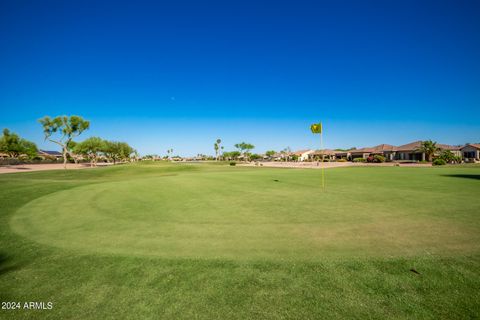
(386, 150)
(471, 152)
(343, 154)
(303, 154)
(326, 154)
(411, 151)
(361, 153)
(49, 154)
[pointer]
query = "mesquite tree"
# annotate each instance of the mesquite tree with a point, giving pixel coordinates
(91, 148)
(117, 151)
(65, 128)
(14, 146)
(244, 148)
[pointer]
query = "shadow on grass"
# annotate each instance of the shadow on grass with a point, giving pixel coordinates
(466, 176)
(6, 264)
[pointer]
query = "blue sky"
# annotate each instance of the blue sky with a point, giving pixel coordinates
(179, 74)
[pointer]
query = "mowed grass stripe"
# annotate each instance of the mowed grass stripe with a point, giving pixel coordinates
(251, 213)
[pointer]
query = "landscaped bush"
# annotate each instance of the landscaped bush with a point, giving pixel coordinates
(342, 160)
(359, 160)
(233, 163)
(439, 162)
(378, 158)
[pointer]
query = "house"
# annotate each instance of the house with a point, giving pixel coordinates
(343, 154)
(456, 150)
(411, 151)
(471, 152)
(49, 154)
(361, 153)
(303, 154)
(386, 150)
(326, 154)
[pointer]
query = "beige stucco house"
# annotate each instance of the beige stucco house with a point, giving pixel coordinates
(471, 152)
(303, 155)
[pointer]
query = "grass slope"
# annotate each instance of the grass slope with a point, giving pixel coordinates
(211, 241)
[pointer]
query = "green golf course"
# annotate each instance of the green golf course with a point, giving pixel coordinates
(212, 241)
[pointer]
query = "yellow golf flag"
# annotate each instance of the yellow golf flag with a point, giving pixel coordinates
(316, 127)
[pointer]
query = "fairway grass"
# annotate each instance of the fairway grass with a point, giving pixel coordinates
(219, 242)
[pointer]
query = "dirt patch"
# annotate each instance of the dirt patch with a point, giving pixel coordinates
(42, 167)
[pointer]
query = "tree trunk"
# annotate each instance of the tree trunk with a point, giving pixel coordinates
(65, 157)
(74, 157)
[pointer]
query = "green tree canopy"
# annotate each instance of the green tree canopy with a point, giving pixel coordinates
(244, 148)
(116, 150)
(429, 148)
(61, 130)
(14, 146)
(92, 148)
(232, 155)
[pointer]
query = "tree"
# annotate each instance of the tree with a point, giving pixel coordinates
(115, 150)
(286, 153)
(217, 146)
(67, 128)
(429, 148)
(92, 148)
(169, 154)
(270, 153)
(14, 146)
(449, 157)
(232, 155)
(244, 148)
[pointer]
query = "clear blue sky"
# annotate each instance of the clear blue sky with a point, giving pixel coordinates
(179, 74)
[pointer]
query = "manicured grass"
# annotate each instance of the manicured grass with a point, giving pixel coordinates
(214, 241)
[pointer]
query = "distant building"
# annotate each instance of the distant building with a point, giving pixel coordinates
(49, 154)
(471, 152)
(303, 155)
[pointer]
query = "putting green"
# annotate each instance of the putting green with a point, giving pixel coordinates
(250, 214)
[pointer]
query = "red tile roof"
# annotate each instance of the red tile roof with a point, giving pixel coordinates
(300, 152)
(326, 152)
(384, 148)
(475, 145)
(410, 146)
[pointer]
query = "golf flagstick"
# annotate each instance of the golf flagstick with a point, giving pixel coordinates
(317, 128)
(323, 157)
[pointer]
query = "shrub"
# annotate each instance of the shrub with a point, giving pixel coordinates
(342, 160)
(378, 158)
(233, 163)
(359, 160)
(370, 159)
(439, 162)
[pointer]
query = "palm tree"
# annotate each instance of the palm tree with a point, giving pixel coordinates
(216, 146)
(170, 153)
(429, 148)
